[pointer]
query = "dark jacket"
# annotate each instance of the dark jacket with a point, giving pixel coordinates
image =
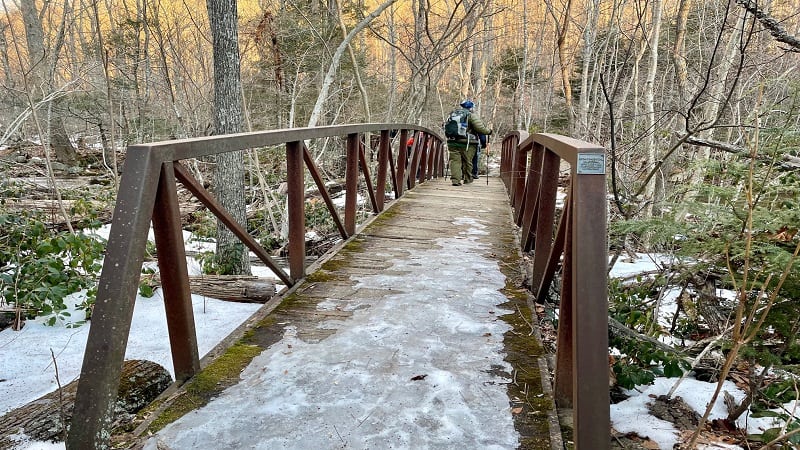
(475, 126)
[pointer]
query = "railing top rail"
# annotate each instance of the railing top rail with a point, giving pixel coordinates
(174, 150)
(565, 147)
(521, 135)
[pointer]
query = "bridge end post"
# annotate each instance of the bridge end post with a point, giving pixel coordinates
(113, 309)
(591, 412)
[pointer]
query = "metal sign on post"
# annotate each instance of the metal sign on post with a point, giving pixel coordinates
(591, 164)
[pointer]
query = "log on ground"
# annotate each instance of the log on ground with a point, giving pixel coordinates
(233, 288)
(43, 419)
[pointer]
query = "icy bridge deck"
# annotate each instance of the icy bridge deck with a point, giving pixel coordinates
(415, 334)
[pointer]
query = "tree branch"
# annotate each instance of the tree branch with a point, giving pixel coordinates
(773, 26)
(788, 162)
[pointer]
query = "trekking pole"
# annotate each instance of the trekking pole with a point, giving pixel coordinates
(488, 143)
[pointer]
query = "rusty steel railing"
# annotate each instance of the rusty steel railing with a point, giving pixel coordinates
(148, 192)
(576, 241)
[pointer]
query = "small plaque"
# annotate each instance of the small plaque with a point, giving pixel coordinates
(591, 164)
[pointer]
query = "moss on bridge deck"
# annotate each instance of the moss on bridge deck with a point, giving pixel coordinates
(433, 210)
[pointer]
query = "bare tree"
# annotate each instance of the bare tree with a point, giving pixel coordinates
(589, 37)
(231, 255)
(649, 104)
(41, 81)
(337, 56)
(562, 21)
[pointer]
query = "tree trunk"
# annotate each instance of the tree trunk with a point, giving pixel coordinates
(589, 37)
(649, 103)
(42, 80)
(714, 106)
(354, 60)
(519, 110)
(562, 29)
(392, 63)
(231, 255)
(43, 419)
(679, 53)
(482, 84)
(4, 61)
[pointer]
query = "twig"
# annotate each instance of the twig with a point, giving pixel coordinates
(340, 436)
(697, 360)
(781, 438)
(526, 321)
(60, 398)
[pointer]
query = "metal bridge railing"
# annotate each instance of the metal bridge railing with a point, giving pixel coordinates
(576, 241)
(148, 193)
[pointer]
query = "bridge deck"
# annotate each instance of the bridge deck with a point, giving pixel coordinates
(415, 334)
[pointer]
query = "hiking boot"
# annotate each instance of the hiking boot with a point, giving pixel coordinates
(468, 180)
(475, 177)
(456, 183)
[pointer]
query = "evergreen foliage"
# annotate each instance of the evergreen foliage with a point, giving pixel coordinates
(40, 266)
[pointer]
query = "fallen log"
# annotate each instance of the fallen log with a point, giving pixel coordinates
(43, 419)
(232, 288)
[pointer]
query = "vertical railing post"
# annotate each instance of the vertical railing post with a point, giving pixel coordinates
(563, 379)
(422, 168)
(527, 210)
(296, 204)
(548, 188)
(351, 184)
(431, 158)
(440, 152)
(364, 165)
(402, 163)
(175, 276)
(519, 174)
(590, 301)
(505, 158)
(383, 166)
(414, 162)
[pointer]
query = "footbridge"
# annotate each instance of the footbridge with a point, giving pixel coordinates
(415, 331)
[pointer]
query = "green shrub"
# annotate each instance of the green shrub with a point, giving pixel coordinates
(641, 361)
(40, 266)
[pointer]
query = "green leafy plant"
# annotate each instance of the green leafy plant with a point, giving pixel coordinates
(40, 266)
(146, 288)
(642, 361)
(789, 433)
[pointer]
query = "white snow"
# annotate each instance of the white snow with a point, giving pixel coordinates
(27, 371)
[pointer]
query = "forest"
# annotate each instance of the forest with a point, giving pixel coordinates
(696, 101)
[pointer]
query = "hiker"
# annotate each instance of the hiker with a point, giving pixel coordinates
(461, 129)
(476, 160)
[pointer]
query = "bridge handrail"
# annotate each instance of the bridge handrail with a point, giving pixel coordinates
(530, 168)
(148, 192)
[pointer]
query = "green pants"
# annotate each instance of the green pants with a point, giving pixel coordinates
(461, 162)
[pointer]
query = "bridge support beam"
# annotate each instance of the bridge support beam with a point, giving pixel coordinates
(175, 276)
